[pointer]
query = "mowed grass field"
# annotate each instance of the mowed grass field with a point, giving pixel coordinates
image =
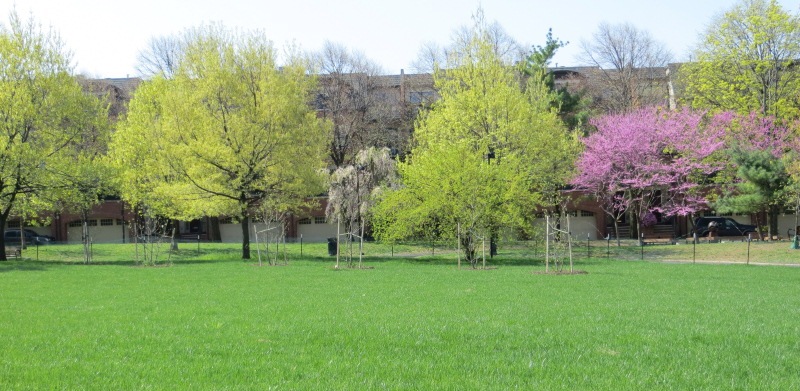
(414, 321)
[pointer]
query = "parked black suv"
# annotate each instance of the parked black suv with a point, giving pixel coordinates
(13, 237)
(725, 226)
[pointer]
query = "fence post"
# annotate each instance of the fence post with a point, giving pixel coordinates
(748, 247)
(642, 246)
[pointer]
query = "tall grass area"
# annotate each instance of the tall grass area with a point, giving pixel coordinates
(413, 321)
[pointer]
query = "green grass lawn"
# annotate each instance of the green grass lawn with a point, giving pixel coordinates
(413, 321)
(777, 252)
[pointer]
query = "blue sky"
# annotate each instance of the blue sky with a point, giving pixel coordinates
(105, 36)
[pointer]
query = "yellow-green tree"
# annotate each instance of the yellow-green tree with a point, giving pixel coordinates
(484, 155)
(747, 62)
(44, 114)
(87, 178)
(231, 129)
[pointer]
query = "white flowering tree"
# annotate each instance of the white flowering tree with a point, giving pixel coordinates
(352, 191)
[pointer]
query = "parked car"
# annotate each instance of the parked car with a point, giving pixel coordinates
(13, 237)
(726, 226)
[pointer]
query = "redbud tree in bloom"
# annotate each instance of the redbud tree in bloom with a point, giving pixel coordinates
(650, 160)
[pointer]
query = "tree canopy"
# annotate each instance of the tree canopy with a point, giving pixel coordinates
(232, 128)
(483, 155)
(650, 160)
(44, 119)
(747, 62)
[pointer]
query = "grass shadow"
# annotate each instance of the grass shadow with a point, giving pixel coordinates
(9, 266)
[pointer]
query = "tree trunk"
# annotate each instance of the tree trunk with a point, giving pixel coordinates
(547, 244)
(3, 218)
(361, 245)
(87, 256)
(569, 243)
(493, 243)
(469, 249)
(758, 227)
(136, 234)
(338, 235)
(3, 221)
(633, 221)
(214, 233)
(772, 217)
(245, 237)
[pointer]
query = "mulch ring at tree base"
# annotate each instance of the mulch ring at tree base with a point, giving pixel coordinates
(263, 264)
(341, 268)
(561, 272)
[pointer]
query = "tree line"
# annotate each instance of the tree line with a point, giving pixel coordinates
(224, 125)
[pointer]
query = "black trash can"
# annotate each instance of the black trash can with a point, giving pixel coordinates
(332, 246)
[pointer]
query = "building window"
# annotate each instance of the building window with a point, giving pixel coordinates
(573, 213)
(420, 96)
(319, 220)
(13, 224)
(304, 221)
(106, 222)
(76, 223)
(120, 222)
(586, 213)
(91, 223)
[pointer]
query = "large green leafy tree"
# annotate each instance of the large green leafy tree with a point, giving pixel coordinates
(44, 114)
(230, 130)
(88, 178)
(483, 155)
(747, 62)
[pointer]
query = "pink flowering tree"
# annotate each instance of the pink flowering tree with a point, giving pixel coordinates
(649, 160)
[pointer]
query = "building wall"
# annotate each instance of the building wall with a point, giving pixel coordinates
(316, 230)
(232, 232)
(108, 223)
(108, 230)
(787, 225)
(581, 224)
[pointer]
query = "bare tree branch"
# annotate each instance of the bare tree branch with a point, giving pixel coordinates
(161, 56)
(630, 68)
